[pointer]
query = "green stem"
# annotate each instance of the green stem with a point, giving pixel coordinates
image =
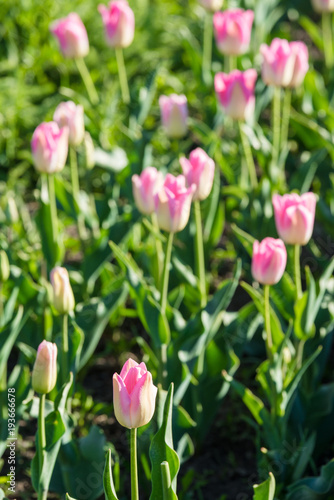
(166, 480)
(134, 467)
(42, 495)
(232, 63)
(276, 124)
(267, 326)
(165, 275)
(327, 38)
(248, 157)
(200, 253)
(207, 49)
(122, 75)
(64, 351)
(53, 208)
(76, 192)
(87, 79)
(286, 118)
(298, 281)
(300, 353)
(158, 248)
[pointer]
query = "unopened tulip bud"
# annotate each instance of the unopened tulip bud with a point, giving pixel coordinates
(70, 115)
(119, 23)
(323, 5)
(72, 36)
(269, 261)
(235, 92)
(199, 170)
(278, 63)
(63, 298)
(232, 30)
(44, 374)
(49, 147)
(134, 395)
(144, 187)
(174, 115)
(287, 355)
(89, 151)
(294, 217)
(11, 210)
(212, 5)
(4, 267)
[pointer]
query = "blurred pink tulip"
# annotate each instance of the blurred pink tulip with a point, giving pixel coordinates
(278, 63)
(301, 66)
(199, 170)
(235, 92)
(294, 217)
(173, 202)
(72, 36)
(119, 23)
(49, 147)
(144, 187)
(323, 5)
(212, 5)
(63, 298)
(71, 115)
(232, 30)
(44, 373)
(134, 395)
(269, 261)
(174, 114)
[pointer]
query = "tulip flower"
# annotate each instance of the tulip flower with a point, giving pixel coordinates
(232, 30)
(212, 5)
(144, 187)
(326, 7)
(63, 298)
(269, 261)
(119, 23)
(44, 374)
(323, 5)
(235, 92)
(71, 115)
(278, 63)
(301, 65)
(49, 147)
(72, 36)
(199, 170)
(174, 115)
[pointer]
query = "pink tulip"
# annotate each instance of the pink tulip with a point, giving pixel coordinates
(174, 114)
(301, 66)
(119, 23)
(44, 373)
(49, 146)
(269, 261)
(63, 298)
(71, 115)
(173, 202)
(294, 217)
(134, 395)
(199, 170)
(212, 5)
(232, 30)
(323, 5)
(235, 92)
(278, 63)
(72, 36)
(144, 188)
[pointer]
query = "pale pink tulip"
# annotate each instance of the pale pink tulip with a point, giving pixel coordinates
(278, 63)
(212, 5)
(301, 63)
(144, 187)
(63, 298)
(134, 395)
(49, 147)
(199, 170)
(174, 114)
(173, 202)
(323, 5)
(235, 92)
(294, 217)
(72, 36)
(269, 261)
(232, 30)
(44, 373)
(119, 23)
(71, 115)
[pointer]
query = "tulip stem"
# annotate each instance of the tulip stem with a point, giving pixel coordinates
(53, 208)
(200, 262)
(299, 290)
(286, 118)
(165, 275)
(87, 79)
(122, 75)
(42, 495)
(207, 49)
(64, 353)
(267, 326)
(158, 249)
(134, 466)
(327, 38)
(76, 191)
(248, 157)
(276, 117)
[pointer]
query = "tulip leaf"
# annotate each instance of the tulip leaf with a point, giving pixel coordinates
(265, 490)
(9, 335)
(168, 493)
(108, 482)
(161, 450)
(69, 498)
(314, 488)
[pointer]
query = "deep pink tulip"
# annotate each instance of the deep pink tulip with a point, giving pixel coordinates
(71, 115)
(278, 63)
(269, 261)
(49, 147)
(323, 5)
(44, 373)
(294, 217)
(144, 187)
(72, 36)
(235, 92)
(174, 114)
(301, 66)
(212, 5)
(199, 170)
(134, 395)
(119, 23)
(232, 30)
(173, 202)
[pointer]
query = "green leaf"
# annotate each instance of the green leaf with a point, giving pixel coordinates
(314, 488)
(9, 335)
(69, 498)
(168, 493)
(114, 161)
(108, 482)
(265, 490)
(161, 450)
(54, 428)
